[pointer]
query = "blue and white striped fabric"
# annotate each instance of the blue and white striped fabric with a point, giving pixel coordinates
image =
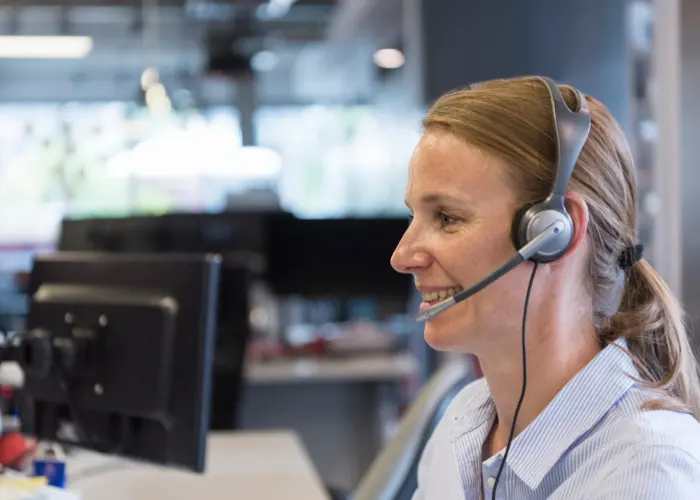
(593, 442)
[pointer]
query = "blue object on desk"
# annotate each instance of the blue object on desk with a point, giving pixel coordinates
(54, 470)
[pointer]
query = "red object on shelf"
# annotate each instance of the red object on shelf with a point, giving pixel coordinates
(16, 451)
(6, 392)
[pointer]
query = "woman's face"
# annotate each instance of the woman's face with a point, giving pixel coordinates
(462, 210)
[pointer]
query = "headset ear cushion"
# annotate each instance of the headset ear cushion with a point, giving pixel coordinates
(517, 232)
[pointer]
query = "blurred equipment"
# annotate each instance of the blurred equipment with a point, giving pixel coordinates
(312, 257)
(240, 239)
(348, 257)
(330, 296)
(16, 451)
(118, 353)
(169, 233)
(339, 257)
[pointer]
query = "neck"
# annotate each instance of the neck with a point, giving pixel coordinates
(557, 349)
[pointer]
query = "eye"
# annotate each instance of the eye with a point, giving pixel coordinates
(446, 220)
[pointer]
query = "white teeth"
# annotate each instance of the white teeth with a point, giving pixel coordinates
(441, 295)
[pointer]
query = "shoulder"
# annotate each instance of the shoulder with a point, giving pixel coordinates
(470, 402)
(462, 410)
(649, 428)
(652, 453)
(651, 472)
(437, 468)
(473, 397)
(470, 407)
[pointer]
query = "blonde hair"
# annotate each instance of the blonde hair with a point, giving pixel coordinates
(513, 120)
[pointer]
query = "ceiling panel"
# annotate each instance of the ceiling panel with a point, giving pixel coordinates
(139, 3)
(178, 41)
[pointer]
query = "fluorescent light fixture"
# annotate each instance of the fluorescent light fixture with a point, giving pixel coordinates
(177, 154)
(45, 47)
(389, 58)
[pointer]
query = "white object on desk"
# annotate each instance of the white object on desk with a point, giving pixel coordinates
(11, 374)
(240, 466)
(372, 368)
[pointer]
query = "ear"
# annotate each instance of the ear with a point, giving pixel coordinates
(578, 210)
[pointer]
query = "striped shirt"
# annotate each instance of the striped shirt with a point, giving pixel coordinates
(593, 441)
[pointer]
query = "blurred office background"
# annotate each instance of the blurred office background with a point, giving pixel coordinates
(278, 133)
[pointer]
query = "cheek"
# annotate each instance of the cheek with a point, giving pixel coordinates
(477, 256)
(502, 298)
(492, 314)
(496, 308)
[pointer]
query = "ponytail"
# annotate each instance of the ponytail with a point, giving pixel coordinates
(650, 319)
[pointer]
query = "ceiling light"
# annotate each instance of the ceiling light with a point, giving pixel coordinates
(264, 60)
(149, 77)
(45, 47)
(389, 58)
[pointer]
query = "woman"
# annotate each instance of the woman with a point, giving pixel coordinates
(612, 396)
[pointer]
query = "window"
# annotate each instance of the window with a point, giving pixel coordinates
(340, 160)
(83, 159)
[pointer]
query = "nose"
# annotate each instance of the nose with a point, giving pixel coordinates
(408, 257)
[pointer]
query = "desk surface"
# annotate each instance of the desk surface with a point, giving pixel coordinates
(240, 466)
(368, 368)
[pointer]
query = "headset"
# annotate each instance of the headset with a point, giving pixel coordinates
(541, 231)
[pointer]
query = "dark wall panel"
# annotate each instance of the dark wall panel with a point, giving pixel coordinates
(583, 43)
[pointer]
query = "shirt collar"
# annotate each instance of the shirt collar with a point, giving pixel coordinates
(473, 411)
(583, 401)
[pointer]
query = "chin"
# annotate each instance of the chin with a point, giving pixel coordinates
(449, 331)
(435, 340)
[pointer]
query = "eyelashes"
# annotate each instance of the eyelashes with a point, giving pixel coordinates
(444, 219)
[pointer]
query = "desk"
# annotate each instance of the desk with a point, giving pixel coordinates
(337, 406)
(334, 405)
(240, 466)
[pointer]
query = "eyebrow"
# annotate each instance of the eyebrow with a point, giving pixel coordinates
(437, 199)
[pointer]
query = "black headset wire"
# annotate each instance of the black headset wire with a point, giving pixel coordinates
(522, 392)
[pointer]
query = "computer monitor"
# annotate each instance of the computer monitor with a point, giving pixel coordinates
(222, 233)
(341, 257)
(118, 353)
(240, 239)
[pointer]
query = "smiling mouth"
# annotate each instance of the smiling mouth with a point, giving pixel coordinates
(438, 296)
